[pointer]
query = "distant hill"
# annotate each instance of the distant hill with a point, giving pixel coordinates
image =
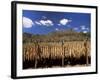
(28, 35)
(67, 35)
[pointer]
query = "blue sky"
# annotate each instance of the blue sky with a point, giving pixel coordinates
(43, 22)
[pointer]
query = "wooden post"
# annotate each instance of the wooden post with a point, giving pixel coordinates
(85, 46)
(62, 54)
(49, 52)
(35, 62)
(36, 53)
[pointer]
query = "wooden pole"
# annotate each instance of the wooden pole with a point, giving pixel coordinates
(35, 62)
(85, 46)
(36, 52)
(62, 54)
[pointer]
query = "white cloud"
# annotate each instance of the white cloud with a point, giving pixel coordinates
(64, 21)
(38, 23)
(57, 29)
(87, 28)
(75, 28)
(27, 22)
(59, 24)
(85, 31)
(46, 22)
(83, 27)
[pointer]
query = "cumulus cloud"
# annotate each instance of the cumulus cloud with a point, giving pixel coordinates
(56, 29)
(38, 23)
(75, 28)
(85, 31)
(27, 22)
(64, 21)
(83, 27)
(46, 22)
(59, 24)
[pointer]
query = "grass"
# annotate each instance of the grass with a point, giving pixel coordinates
(49, 54)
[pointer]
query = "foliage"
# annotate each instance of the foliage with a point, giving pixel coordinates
(66, 35)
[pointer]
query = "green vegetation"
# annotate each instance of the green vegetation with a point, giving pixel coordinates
(67, 35)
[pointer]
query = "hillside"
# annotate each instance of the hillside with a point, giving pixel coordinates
(67, 35)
